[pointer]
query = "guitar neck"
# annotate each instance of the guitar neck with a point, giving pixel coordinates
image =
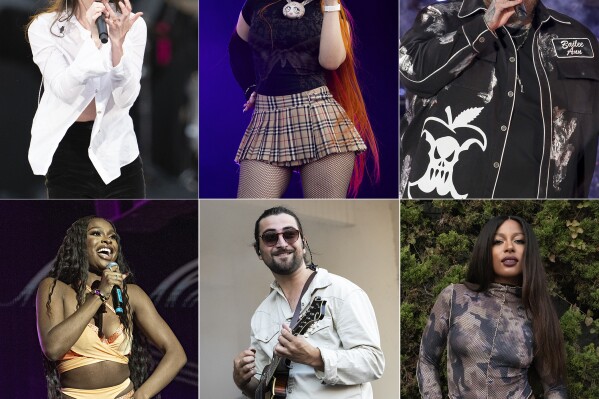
(273, 366)
(315, 312)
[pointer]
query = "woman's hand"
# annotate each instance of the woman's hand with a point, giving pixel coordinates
(57, 328)
(110, 278)
(162, 337)
(89, 21)
(119, 25)
(139, 395)
(250, 102)
(93, 12)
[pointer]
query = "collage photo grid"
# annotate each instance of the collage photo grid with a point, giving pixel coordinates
(300, 199)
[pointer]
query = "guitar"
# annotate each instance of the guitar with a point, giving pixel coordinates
(273, 383)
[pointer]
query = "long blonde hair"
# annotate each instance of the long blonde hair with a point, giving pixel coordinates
(60, 7)
(55, 6)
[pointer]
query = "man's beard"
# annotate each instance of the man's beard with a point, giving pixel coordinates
(521, 17)
(286, 267)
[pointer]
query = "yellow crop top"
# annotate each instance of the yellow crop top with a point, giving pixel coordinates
(90, 348)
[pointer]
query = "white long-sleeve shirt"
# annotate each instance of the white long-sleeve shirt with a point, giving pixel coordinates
(347, 336)
(75, 72)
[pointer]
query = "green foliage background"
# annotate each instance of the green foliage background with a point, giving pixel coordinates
(436, 240)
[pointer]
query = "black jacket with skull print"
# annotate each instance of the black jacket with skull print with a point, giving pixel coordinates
(461, 79)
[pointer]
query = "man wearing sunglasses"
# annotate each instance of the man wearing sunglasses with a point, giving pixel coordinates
(338, 356)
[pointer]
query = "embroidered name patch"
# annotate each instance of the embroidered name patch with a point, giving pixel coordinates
(573, 48)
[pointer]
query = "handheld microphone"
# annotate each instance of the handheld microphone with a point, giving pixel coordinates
(116, 293)
(102, 31)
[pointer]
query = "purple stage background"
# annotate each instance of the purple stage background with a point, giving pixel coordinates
(160, 243)
(222, 122)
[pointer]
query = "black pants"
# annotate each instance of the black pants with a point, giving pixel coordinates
(72, 174)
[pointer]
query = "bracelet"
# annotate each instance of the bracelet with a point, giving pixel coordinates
(102, 297)
(248, 89)
(336, 7)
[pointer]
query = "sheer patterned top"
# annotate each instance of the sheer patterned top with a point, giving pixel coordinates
(490, 346)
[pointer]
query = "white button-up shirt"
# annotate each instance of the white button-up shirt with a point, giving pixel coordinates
(75, 72)
(347, 336)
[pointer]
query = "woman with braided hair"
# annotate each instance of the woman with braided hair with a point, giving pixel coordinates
(295, 63)
(90, 349)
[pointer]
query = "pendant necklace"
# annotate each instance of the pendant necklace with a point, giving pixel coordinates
(295, 10)
(518, 47)
(518, 36)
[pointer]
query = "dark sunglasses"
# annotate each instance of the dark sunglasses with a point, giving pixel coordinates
(270, 238)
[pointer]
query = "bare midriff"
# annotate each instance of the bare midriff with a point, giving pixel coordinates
(89, 113)
(98, 375)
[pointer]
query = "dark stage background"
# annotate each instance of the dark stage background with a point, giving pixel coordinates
(222, 122)
(160, 243)
(585, 11)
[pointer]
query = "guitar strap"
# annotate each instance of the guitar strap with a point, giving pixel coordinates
(282, 364)
(286, 362)
(298, 307)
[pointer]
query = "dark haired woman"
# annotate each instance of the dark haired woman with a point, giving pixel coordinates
(497, 324)
(90, 350)
(82, 136)
(295, 63)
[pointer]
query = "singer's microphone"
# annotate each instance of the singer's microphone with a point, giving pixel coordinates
(102, 31)
(117, 294)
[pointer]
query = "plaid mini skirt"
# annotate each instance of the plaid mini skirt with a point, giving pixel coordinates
(296, 129)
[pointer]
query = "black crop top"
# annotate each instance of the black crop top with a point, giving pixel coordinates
(285, 51)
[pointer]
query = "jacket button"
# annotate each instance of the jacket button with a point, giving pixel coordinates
(503, 128)
(510, 93)
(482, 40)
(496, 165)
(512, 59)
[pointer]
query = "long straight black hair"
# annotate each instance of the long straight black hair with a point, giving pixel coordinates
(548, 337)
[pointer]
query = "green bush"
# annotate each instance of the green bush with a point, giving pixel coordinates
(436, 239)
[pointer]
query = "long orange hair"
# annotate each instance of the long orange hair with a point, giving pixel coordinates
(343, 84)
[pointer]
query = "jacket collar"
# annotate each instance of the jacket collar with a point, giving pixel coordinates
(321, 280)
(542, 13)
(470, 7)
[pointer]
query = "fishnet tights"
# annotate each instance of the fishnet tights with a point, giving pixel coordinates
(259, 179)
(327, 177)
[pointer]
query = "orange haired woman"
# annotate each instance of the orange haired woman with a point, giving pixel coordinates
(295, 63)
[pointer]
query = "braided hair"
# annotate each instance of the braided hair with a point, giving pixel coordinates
(71, 268)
